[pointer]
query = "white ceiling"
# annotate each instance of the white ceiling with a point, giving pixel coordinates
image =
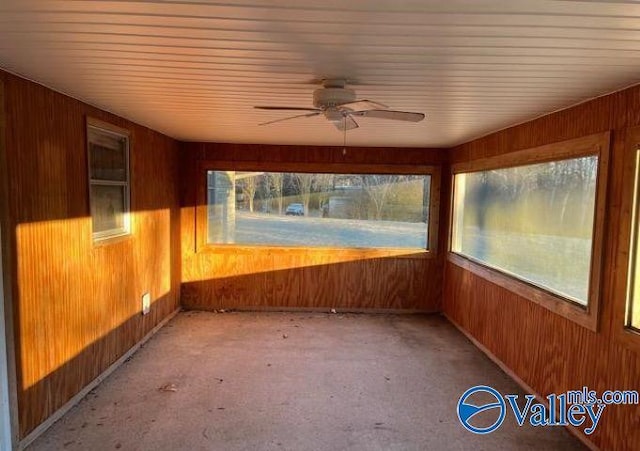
(194, 69)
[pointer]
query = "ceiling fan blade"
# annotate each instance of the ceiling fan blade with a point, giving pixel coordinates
(363, 104)
(347, 123)
(391, 114)
(315, 113)
(289, 108)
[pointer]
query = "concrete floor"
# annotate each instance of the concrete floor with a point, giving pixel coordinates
(295, 381)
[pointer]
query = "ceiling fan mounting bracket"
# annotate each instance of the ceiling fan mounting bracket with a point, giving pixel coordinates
(334, 83)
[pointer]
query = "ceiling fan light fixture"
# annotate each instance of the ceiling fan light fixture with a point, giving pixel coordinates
(332, 97)
(334, 115)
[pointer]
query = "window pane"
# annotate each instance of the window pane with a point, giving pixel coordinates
(633, 317)
(108, 208)
(298, 209)
(534, 222)
(108, 155)
(634, 307)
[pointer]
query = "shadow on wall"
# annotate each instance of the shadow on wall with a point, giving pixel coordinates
(77, 304)
(378, 283)
(53, 390)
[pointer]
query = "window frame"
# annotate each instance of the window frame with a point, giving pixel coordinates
(629, 210)
(106, 236)
(592, 145)
(201, 244)
(633, 244)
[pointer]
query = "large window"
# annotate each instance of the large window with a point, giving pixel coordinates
(318, 209)
(109, 180)
(633, 299)
(534, 222)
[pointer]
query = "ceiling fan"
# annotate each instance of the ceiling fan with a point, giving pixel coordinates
(339, 105)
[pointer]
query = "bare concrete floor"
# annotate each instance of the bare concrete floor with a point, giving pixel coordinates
(295, 381)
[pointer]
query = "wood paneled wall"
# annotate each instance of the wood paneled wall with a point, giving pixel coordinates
(548, 352)
(76, 305)
(255, 277)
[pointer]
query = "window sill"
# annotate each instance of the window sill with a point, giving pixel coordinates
(108, 240)
(629, 338)
(351, 252)
(584, 316)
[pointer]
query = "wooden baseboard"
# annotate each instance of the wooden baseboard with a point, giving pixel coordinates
(573, 430)
(313, 310)
(93, 384)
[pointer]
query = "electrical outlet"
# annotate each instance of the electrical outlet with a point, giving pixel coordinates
(146, 303)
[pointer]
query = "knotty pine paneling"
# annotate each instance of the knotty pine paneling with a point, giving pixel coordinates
(76, 305)
(548, 352)
(302, 278)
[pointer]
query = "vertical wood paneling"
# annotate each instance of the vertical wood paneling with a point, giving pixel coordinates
(77, 305)
(8, 246)
(302, 278)
(548, 352)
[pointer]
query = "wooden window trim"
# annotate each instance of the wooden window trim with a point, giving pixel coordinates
(225, 165)
(101, 239)
(598, 145)
(620, 288)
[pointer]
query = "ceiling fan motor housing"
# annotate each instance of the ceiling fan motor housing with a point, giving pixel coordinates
(332, 97)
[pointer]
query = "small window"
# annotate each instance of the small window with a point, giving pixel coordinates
(109, 181)
(533, 222)
(633, 293)
(318, 209)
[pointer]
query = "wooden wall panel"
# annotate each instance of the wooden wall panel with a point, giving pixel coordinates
(77, 305)
(548, 352)
(302, 278)
(382, 156)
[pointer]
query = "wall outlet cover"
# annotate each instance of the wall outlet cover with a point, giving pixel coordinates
(146, 303)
